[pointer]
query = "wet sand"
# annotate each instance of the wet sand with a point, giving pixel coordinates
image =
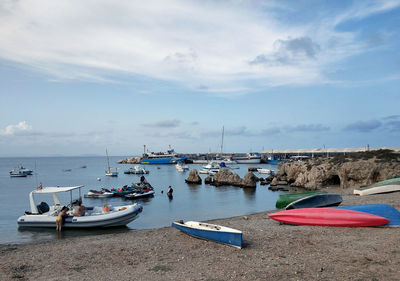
(271, 252)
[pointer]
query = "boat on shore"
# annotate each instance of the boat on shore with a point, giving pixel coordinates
(328, 217)
(43, 215)
(316, 201)
(169, 157)
(250, 158)
(286, 199)
(383, 210)
(387, 187)
(212, 232)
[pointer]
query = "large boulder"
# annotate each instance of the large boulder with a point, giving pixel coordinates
(131, 160)
(225, 177)
(193, 177)
(249, 180)
(344, 172)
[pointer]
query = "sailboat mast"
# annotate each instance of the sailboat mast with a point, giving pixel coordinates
(222, 142)
(108, 161)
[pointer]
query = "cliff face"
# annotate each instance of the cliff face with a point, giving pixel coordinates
(317, 173)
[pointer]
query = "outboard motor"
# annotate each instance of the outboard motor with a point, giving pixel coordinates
(43, 207)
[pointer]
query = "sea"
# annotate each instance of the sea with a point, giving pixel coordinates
(190, 202)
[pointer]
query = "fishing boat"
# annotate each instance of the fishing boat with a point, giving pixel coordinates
(389, 185)
(213, 232)
(43, 215)
(378, 188)
(136, 170)
(383, 210)
(250, 158)
(286, 199)
(316, 201)
(25, 170)
(110, 171)
(328, 217)
(169, 157)
(17, 174)
(103, 193)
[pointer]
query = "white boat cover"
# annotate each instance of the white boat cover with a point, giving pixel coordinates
(56, 189)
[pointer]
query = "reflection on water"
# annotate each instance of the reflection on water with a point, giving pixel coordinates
(249, 193)
(30, 234)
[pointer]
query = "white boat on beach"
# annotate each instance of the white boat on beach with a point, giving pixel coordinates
(43, 215)
(378, 188)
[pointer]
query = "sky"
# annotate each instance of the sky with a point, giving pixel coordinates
(77, 77)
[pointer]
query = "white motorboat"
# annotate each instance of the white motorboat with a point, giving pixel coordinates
(137, 170)
(137, 195)
(180, 167)
(43, 215)
(17, 174)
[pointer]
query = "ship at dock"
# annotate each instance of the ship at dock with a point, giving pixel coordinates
(169, 157)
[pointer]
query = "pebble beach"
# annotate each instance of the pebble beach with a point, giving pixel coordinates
(272, 251)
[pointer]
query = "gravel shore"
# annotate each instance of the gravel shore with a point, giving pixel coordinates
(271, 252)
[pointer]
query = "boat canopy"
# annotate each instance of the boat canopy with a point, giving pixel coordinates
(50, 190)
(56, 189)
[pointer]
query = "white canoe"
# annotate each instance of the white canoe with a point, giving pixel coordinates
(390, 187)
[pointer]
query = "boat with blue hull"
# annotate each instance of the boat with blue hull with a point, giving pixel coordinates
(387, 211)
(169, 157)
(213, 232)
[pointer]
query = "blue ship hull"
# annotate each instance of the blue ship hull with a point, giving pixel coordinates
(229, 238)
(167, 160)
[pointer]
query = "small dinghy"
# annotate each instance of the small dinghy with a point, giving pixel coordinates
(213, 232)
(137, 195)
(328, 217)
(103, 193)
(316, 201)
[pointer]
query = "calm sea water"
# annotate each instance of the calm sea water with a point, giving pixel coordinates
(190, 202)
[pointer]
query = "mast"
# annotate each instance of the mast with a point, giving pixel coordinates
(108, 161)
(222, 142)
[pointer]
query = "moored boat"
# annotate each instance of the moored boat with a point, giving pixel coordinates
(103, 193)
(139, 194)
(43, 215)
(136, 170)
(213, 232)
(316, 201)
(250, 158)
(328, 217)
(169, 157)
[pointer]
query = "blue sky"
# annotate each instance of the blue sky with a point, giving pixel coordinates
(78, 77)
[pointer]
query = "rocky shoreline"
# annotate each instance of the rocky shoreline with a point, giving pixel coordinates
(271, 252)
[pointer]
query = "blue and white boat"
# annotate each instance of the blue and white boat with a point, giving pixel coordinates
(169, 157)
(213, 232)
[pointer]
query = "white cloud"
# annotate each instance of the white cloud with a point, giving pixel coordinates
(190, 42)
(19, 129)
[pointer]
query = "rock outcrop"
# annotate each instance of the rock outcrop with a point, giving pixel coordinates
(193, 177)
(226, 177)
(344, 172)
(131, 160)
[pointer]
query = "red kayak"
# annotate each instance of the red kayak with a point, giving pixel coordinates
(328, 217)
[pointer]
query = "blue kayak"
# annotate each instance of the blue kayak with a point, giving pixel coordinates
(382, 210)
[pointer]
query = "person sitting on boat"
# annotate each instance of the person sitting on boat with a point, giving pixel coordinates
(81, 210)
(61, 218)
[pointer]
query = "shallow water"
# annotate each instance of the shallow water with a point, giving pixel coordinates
(190, 202)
